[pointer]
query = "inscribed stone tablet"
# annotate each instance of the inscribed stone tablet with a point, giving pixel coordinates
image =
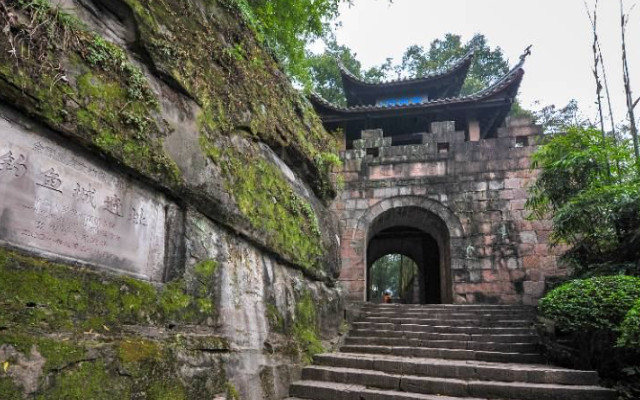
(57, 202)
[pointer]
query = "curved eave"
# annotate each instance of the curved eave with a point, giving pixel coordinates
(502, 92)
(453, 77)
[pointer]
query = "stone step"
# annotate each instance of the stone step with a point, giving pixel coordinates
(481, 337)
(452, 315)
(315, 390)
(455, 387)
(459, 369)
(446, 344)
(441, 328)
(446, 307)
(455, 354)
(450, 322)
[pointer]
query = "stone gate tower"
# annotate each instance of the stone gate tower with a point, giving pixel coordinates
(440, 178)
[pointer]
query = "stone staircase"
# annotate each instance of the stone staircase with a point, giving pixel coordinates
(443, 352)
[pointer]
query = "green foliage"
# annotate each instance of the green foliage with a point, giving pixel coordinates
(587, 305)
(558, 119)
(325, 73)
(110, 57)
(287, 26)
(488, 65)
(589, 187)
(630, 328)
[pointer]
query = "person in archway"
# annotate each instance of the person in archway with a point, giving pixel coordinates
(386, 298)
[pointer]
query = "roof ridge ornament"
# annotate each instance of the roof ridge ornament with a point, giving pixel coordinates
(525, 54)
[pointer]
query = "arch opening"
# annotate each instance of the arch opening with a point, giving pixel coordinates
(416, 234)
(395, 275)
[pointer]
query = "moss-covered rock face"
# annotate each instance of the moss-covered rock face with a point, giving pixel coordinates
(69, 333)
(56, 297)
(236, 322)
(197, 59)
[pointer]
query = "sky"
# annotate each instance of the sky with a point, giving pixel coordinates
(560, 67)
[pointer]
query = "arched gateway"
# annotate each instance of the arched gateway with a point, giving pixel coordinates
(417, 227)
(442, 179)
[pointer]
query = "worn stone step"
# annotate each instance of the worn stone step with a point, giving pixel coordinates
(453, 315)
(315, 390)
(481, 337)
(447, 344)
(459, 369)
(456, 354)
(450, 322)
(455, 387)
(441, 328)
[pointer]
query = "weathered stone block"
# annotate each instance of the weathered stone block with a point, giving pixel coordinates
(534, 289)
(443, 127)
(372, 134)
(528, 237)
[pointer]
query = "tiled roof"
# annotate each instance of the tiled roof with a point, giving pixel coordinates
(459, 65)
(512, 77)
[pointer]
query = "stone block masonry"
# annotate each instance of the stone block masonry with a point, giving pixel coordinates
(477, 188)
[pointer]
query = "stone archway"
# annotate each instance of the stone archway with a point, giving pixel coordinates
(428, 217)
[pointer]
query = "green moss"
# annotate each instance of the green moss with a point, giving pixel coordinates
(108, 102)
(172, 390)
(174, 300)
(264, 197)
(305, 327)
(56, 297)
(204, 270)
(248, 90)
(8, 390)
(275, 318)
(232, 392)
(87, 380)
(135, 351)
(57, 353)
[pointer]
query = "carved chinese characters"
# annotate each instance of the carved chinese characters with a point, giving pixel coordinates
(57, 202)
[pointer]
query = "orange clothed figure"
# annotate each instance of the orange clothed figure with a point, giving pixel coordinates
(386, 298)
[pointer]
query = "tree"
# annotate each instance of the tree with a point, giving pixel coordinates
(287, 26)
(488, 65)
(557, 119)
(591, 189)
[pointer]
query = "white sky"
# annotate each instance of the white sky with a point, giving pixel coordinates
(559, 30)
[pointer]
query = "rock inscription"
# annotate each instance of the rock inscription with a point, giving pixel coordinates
(57, 202)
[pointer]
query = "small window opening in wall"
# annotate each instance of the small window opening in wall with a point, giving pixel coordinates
(443, 148)
(522, 141)
(374, 151)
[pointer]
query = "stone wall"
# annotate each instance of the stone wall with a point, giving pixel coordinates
(478, 189)
(164, 228)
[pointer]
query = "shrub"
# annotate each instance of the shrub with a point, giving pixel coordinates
(593, 304)
(630, 328)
